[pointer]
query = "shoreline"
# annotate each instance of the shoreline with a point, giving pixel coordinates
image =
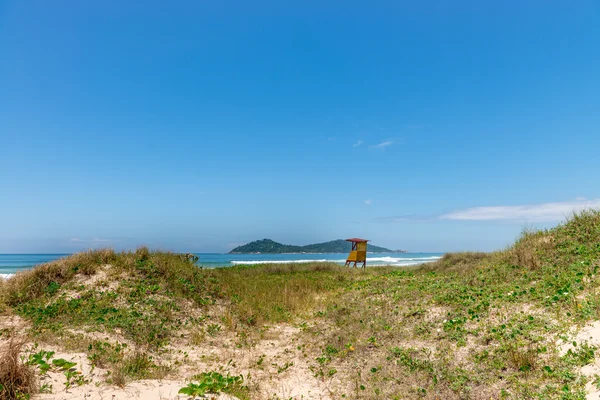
(222, 260)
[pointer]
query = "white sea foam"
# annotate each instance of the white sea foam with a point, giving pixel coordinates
(400, 259)
(406, 264)
(6, 276)
(275, 262)
(396, 261)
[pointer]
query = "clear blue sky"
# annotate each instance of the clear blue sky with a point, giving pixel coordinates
(201, 125)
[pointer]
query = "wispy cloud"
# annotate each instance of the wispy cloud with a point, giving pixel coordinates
(358, 143)
(404, 218)
(383, 145)
(368, 202)
(94, 240)
(545, 212)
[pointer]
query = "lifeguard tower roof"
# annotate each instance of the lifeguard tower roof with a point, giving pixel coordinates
(356, 240)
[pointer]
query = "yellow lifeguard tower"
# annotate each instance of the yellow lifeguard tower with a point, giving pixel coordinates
(358, 254)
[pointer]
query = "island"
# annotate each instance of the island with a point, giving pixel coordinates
(268, 246)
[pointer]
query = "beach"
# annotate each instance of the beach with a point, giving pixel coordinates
(147, 324)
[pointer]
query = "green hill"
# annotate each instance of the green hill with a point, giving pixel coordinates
(269, 246)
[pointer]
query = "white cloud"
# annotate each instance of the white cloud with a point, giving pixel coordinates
(383, 145)
(358, 143)
(94, 240)
(101, 240)
(368, 202)
(405, 218)
(545, 212)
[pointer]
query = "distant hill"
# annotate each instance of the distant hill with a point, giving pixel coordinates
(269, 246)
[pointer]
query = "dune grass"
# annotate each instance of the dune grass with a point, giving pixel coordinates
(17, 380)
(282, 292)
(32, 284)
(470, 325)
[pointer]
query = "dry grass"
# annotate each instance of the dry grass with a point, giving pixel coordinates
(527, 250)
(523, 359)
(30, 284)
(455, 262)
(17, 380)
(282, 292)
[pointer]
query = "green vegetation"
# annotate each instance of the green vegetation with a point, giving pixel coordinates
(268, 246)
(212, 382)
(142, 306)
(469, 326)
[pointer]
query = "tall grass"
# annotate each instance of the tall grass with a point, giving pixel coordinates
(17, 380)
(27, 285)
(453, 262)
(281, 292)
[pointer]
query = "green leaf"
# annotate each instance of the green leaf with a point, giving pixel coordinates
(63, 364)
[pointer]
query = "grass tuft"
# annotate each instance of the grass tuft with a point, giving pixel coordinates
(456, 262)
(17, 380)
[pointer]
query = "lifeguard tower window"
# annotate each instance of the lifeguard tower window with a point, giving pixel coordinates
(358, 254)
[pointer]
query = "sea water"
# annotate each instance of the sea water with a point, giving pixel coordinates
(11, 263)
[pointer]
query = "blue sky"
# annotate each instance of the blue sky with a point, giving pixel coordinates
(198, 126)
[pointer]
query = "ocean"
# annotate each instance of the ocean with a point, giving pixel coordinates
(11, 263)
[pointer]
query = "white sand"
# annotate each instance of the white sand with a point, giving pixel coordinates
(590, 334)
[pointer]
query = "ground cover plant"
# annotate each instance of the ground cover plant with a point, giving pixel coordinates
(470, 325)
(212, 382)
